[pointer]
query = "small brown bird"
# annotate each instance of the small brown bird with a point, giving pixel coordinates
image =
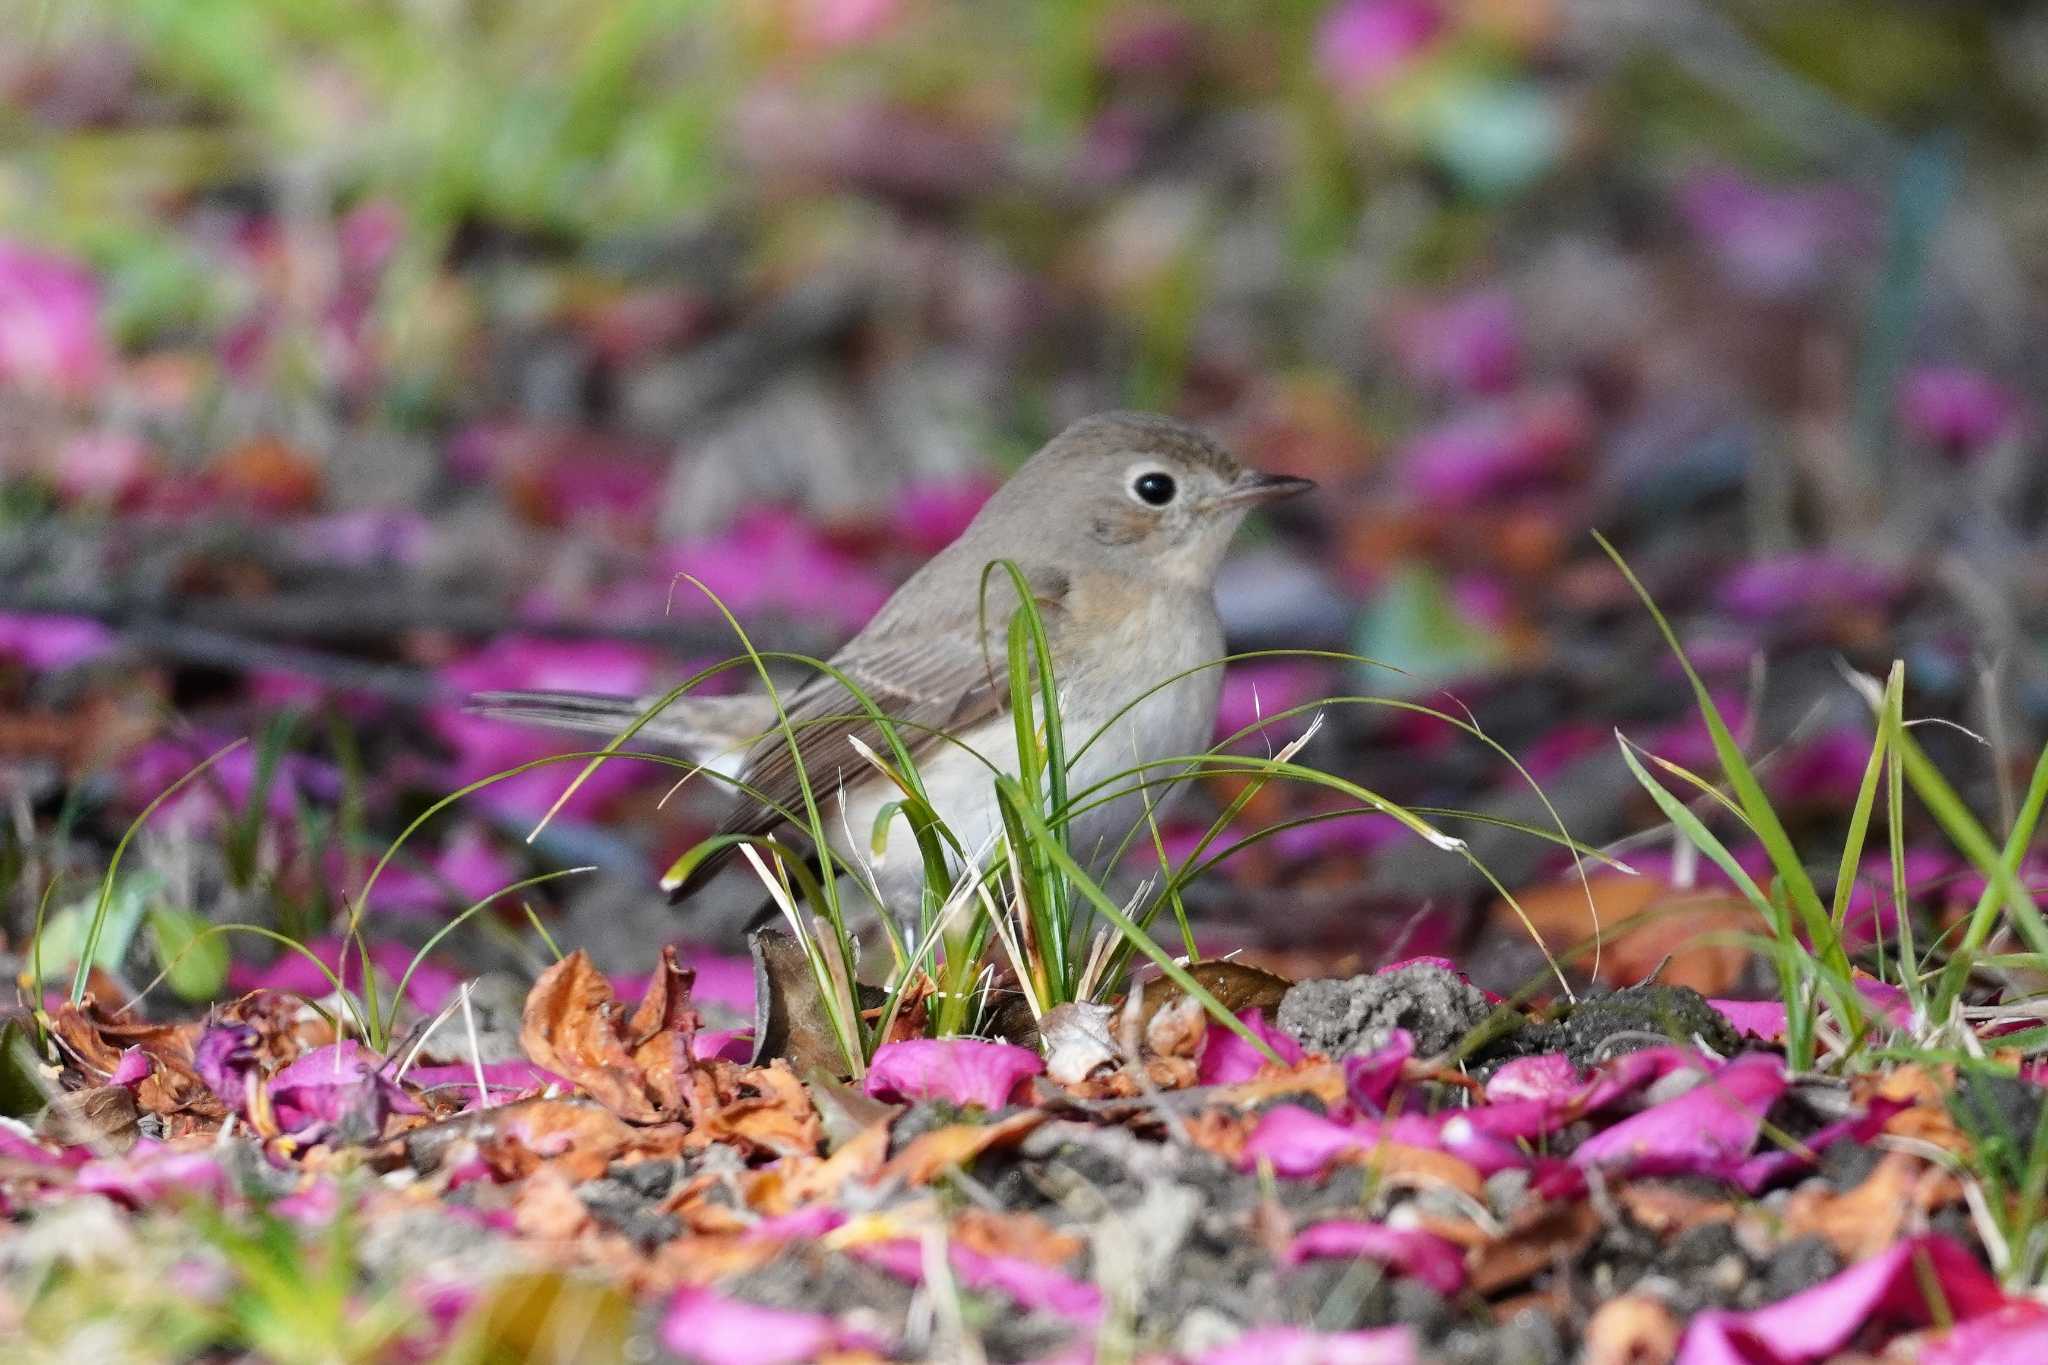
(1119, 524)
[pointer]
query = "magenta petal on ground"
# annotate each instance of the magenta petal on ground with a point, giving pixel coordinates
(1763, 1019)
(958, 1070)
(703, 1325)
(1027, 1283)
(1369, 1080)
(812, 1221)
(1300, 1143)
(1706, 1129)
(1886, 1289)
(224, 1057)
(151, 1173)
(341, 1088)
(2014, 1335)
(49, 643)
(1408, 1251)
(1227, 1059)
(501, 1078)
(1300, 1346)
(133, 1068)
(1769, 1168)
(1550, 1077)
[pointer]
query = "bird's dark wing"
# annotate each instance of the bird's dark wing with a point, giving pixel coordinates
(932, 677)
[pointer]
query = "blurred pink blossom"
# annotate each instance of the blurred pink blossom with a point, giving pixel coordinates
(483, 746)
(845, 23)
(1957, 410)
(1912, 1283)
(1257, 688)
(152, 1172)
(1150, 39)
(226, 787)
(1772, 241)
(1363, 44)
(929, 516)
(1412, 1252)
(1471, 343)
(369, 537)
(102, 466)
(430, 987)
(48, 644)
(368, 235)
(1492, 451)
(50, 335)
(1807, 581)
(1028, 1283)
(707, 1326)
(464, 870)
(773, 560)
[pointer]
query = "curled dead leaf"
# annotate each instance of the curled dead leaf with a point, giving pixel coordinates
(1237, 986)
(930, 1154)
(634, 1066)
(1900, 1192)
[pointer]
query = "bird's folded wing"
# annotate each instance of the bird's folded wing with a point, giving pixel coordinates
(932, 679)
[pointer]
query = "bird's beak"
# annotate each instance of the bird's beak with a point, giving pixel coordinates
(1251, 489)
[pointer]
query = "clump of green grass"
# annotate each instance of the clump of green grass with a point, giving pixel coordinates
(1802, 934)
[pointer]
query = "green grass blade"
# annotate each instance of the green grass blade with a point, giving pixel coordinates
(106, 897)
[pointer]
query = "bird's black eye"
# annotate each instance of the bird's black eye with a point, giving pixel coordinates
(1155, 488)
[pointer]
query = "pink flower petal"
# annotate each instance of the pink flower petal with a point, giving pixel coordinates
(1370, 1080)
(1363, 44)
(1550, 1076)
(1707, 1129)
(151, 1173)
(1496, 450)
(1885, 1289)
(48, 644)
(704, 1325)
(1299, 1143)
(1763, 1019)
(339, 1087)
(50, 335)
(1028, 1283)
(2016, 1334)
(1407, 1251)
(959, 1070)
(1468, 344)
(429, 988)
(1957, 410)
(1227, 1059)
(1301, 1346)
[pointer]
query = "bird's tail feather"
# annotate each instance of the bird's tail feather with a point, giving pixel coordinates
(595, 713)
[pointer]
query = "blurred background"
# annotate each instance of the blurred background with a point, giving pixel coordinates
(354, 356)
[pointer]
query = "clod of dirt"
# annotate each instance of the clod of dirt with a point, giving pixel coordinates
(628, 1211)
(1528, 1338)
(1797, 1265)
(1341, 1018)
(1606, 1025)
